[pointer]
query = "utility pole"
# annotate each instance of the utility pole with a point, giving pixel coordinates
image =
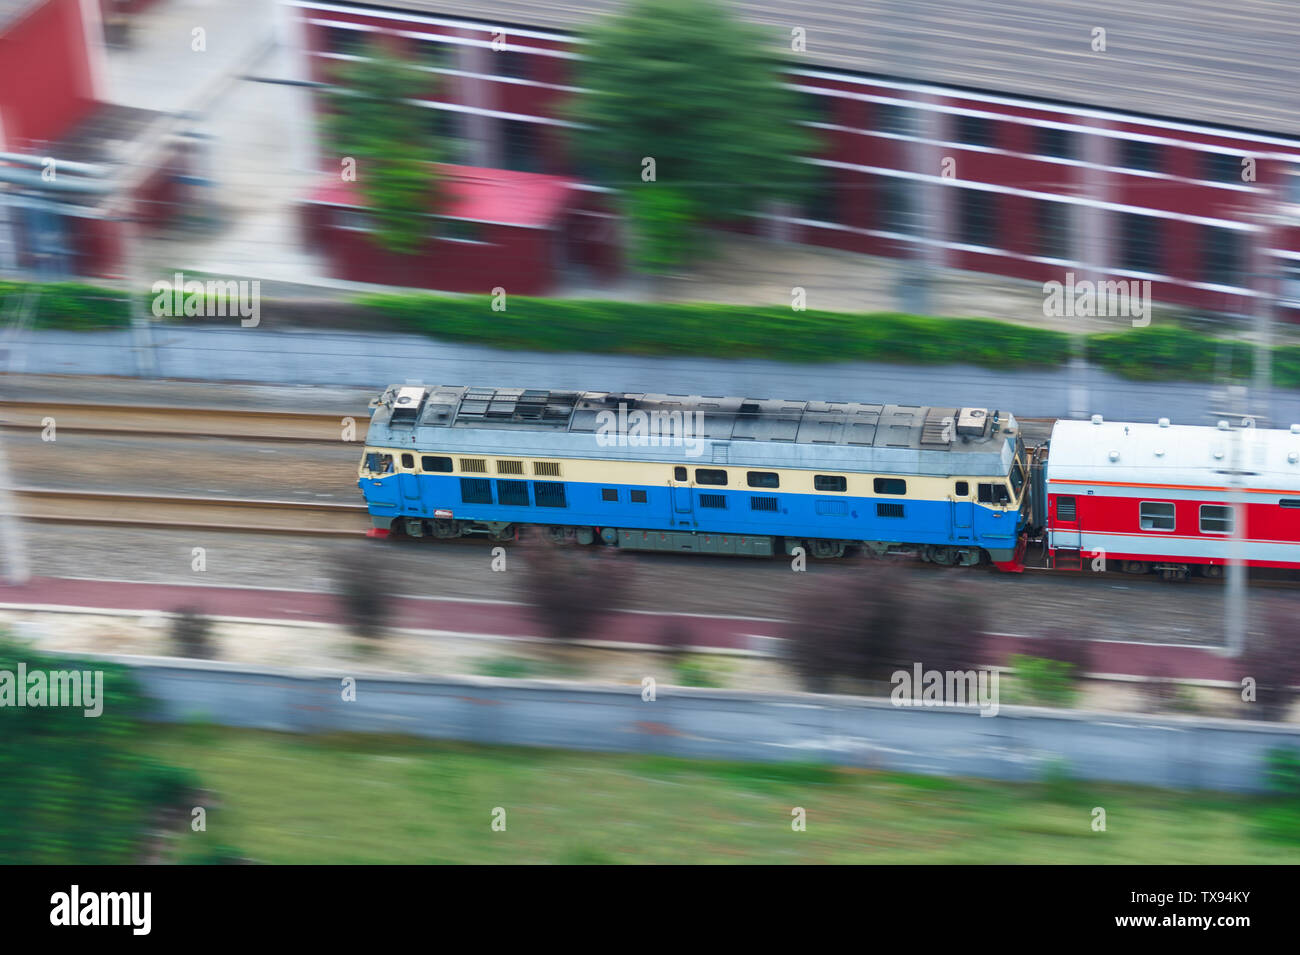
(1234, 601)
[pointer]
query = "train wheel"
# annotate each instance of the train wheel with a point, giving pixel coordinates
(826, 550)
(557, 534)
(506, 533)
(1135, 567)
(1214, 571)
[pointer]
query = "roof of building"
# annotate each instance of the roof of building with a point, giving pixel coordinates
(1173, 456)
(1207, 61)
(889, 438)
(500, 196)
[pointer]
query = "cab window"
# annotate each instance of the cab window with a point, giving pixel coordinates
(1017, 477)
(377, 463)
(994, 494)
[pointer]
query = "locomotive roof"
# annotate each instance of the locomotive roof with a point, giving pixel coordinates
(1098, 450)
(751, 430)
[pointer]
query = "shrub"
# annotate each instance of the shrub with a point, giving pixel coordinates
(191, 635)
(1043, 682)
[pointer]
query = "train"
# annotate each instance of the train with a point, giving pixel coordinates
(954, 486)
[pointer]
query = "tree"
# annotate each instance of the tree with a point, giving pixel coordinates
(571, 589)
(678, 94)
(376, 122)
(1270, 659)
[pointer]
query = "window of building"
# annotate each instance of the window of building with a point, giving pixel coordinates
(1221, 167)
(344, 41)
(963, 489)
(976, 217)
(433, 463)
(1050, 141)
(820, 202)
(609, 494)
(448, 130)
(896, 118)
(710, 476)
(679, 474)
(439, 56)
(1156, 516)
(1140, 243)
(1136, 154)
(522, 152)
(994, 494)
(1065, 510)
(830, 482)
(975, 130)
(549, 494)
(514, 63)
(638, 497)
(889, 486)
(762, 479)
(514, 493)
(713, 500)
(1052, 228)
(473, 465)
(897, 205)
(476, 490)
(1216, 519)
(757, 503)
(889, 509)
(1221, 255)
(458, 230)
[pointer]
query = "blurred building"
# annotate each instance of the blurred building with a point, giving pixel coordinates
(1067, 156)
(73, 167)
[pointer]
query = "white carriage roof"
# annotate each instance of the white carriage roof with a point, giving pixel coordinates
(1085, 452)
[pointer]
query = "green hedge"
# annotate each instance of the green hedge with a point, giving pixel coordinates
(65, 305)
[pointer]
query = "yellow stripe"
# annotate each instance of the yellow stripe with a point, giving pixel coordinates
(654, 474)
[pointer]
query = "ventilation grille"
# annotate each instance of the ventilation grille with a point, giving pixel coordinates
(473, 465)
(546, 468)
(762, 504)
(510, 467)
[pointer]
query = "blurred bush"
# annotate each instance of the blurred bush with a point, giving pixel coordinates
(1043, 682)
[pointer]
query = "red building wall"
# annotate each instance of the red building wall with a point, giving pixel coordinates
(47, 85)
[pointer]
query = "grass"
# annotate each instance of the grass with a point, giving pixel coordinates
(368, 799)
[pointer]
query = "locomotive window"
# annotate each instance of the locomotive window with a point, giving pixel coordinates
(549, 494)
(1216, 519)
(1017, 477)
(476, 490)
(757, 503)
(963, 489)
(889, 509)
(431, 463)
(1156, 516)
(379, 463)
(994, 494)
(408, 460)
(638, 497)
(830, 482)
(512, 492)
(889, 486)
(1065, 509)
(715, 476)
(609, 494)
(713, 500)
(762, 479)
(679, 474)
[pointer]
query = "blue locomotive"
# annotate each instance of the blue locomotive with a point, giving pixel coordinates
(702, 474)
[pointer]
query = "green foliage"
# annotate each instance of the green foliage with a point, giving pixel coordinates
(1283, 771)
(67, 305)
(662, 220)
(510, 668)
(696, 671)
(75, 789)
(1059, 784)
(375, 122)
(1149, 354)
(1279, 819)
(1041, 682)
(686, 84)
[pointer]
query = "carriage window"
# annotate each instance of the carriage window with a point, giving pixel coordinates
(638, 497)
(609, 494)
(1156, 516)
(679, 474)
(549, 494)
(512, 492)
(830, 482)
(1216, 519)
(963, 489)
(1065, 509)
(762, 479)
(994, 494)
(1290, 502)
(476, 490)
(710, 476)
(408, 461)
(889, 486)
(431, 463)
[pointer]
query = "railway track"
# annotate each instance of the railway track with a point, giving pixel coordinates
(41, 505)
(184, 421)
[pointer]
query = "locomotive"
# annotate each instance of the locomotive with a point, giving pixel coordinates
(757, 477)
